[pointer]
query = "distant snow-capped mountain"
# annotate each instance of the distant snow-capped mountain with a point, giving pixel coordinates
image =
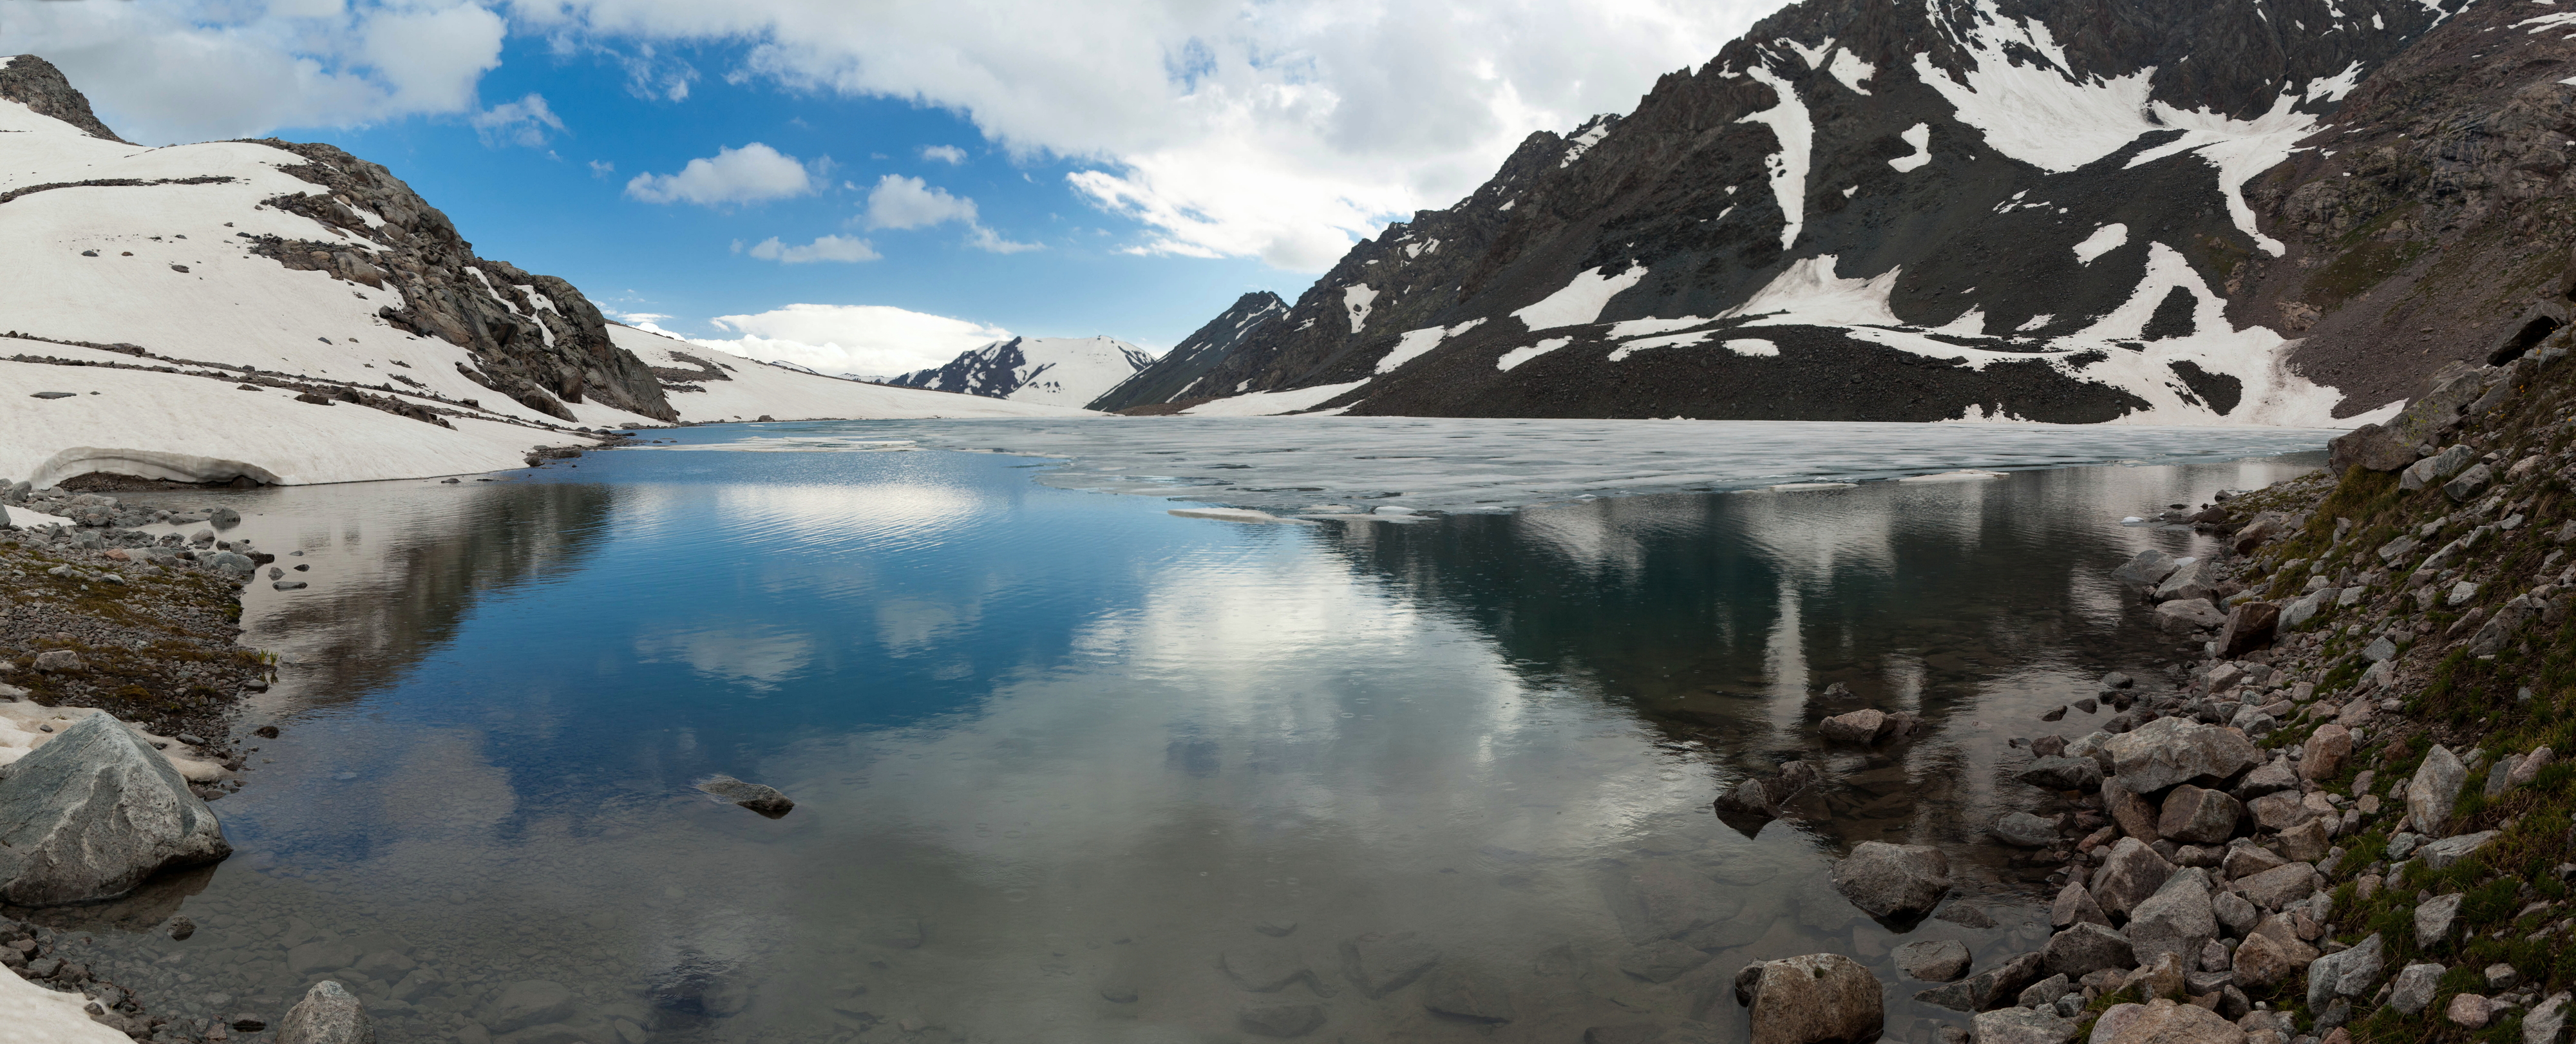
(1060, 371)
(1176, 376)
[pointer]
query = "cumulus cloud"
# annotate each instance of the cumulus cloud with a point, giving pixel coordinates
(948, 154)
(826, 248)
(869, 340)
(901, 202)
(1273, 130)
(982, 238)
(751, 174)
(523, 122)
(602, 168)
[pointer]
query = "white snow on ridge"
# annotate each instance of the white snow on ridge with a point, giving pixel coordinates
(1808, 292)
(1414, 343)
(1795, 129)
(1070, 371)
(1518, 356)
(1581, 300)
(1629, 348)
(754, 389)
(1919, 136)
(1355, 301)
(2334, 88)
(1267, 404)
(1850, 70)
(2103, 240)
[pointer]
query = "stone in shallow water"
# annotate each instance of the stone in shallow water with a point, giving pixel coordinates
(328, 1014)
(1282, 1020)
(754, 796)
(94, 812)
(1941, 960)
(1463, 994)
(1661, 961)
(1893, 880)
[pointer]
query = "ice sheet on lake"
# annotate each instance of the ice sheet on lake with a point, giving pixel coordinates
(1290, 464)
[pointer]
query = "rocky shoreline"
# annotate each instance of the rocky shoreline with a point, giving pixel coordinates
(2346, 821)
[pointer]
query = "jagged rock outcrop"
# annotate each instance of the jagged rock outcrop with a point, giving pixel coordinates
(2061, 210)
(1176, 377)
(533, 337)
(35, 83)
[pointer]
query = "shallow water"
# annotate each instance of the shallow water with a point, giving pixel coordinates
(1069, 768)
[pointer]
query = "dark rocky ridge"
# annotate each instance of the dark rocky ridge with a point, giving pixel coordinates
(2406, 226)
(35, 83)
(1174, 378)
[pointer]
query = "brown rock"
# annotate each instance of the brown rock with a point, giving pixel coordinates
(1819, 998)
(2249, 627)
(2136, 817)
(2164, 1022)
(2265, 960)
(2328, 749)
(2197, 816)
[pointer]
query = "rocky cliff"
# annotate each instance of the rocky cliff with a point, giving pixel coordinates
(2210, 211)
(1176, 377)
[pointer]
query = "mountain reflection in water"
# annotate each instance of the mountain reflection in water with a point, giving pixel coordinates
(1069, 768)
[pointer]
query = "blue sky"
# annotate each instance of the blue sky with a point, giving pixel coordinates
(1121, 167)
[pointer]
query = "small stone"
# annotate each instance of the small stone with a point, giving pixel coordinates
(2413, 990)
(2075, 905)
(1893, 881)
(1944, 960)
(754, 796)
(2023, 830)
(1282, 1020)
(2436, 919)
(181, 928)
(2022, 1026)
(328, 1014)
(2468, 1010)
(2086, 948)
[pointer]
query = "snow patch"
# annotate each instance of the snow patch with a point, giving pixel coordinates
(2334, 88)
(1518, 356)
(1752, 346)
(1413, 343)
(1791, 124)
(1269, 404)
(1581, 300)
(1850, 70)
(1667, 341)
(1627, 328)
(2103, 240)
(1808, 292)
(1356, 299)
(2040, 114)
(1919, 136)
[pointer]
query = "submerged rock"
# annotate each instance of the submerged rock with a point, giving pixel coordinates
(762, 799)
(1893, 881)
(328, 1014)
(94, 812)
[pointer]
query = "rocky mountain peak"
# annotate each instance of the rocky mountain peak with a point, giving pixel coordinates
(34, 82)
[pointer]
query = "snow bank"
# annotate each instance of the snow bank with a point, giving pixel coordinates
(32, 1014)
(1414, 343)
(1267, 404)
(1580, 300)
(1790, 122)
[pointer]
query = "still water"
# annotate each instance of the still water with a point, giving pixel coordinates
(1069, 768)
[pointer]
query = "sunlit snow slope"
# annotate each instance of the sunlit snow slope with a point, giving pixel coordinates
(185, 299)
(1056, 371)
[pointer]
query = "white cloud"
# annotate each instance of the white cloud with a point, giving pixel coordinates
(982, 238)
(870, 340)
(524, 121)
(901, 202)
(602, 168)
(948, 154)
(1272, 130)
(826, 248)
(750, 174)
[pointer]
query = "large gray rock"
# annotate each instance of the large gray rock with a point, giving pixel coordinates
(2436, 919)
(2185, 615)
(2150, 568)
(2547, 1021)
(1991, 988)
(2162, 1021)
(2192, 578)
(2413, 990)
(2127, 876)
(2278, 887)
(2434, 789)
(2023, 830)
(2441, 854)
(2176, 920)
(2021, 1026)
(1820, 998)
(2086, 948)
(2351, 973)
(1893, 881)
(2469, 483)
(2435, 468)
(2075, 905)
(2168, 751)
(93, 813)
(2264, 959)
(2235, 912)
(328, 1014)
(2196, 816)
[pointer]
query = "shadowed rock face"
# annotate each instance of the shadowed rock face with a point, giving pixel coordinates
(93, 813)
(35, 83)
(1176, 377)
(1852, 150)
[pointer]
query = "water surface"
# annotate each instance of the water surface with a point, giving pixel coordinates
(1069, 768)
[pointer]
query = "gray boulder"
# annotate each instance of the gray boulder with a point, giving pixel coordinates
(757, 797)
(1893, 881)
(2441, 854)
(2351, 973)
(2198, 817)
(2469, 483)
(1991, 988)
(2280, 886)
(2413, 990)
(2127, 876)
(2148, 569)
(2087, 948)
(2021, 1026)
(2074, 905)
(1819, 998)
(2192, 578)
(2235, 912)
(2434, 789)
(2547, 1021)
(2436, 919)
(2168, 751)
(2177, 920)
(1764, 797)
(93, 813)
(2435, 468)
(2063, 773)
(2185, 615)
(2163, 1021)
(328, 1014)
(1943, 960)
